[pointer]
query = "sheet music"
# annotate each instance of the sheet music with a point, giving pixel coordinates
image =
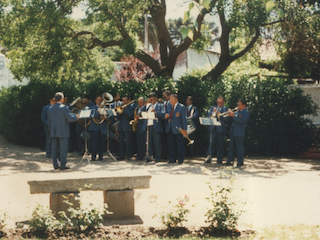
(85, 113)
(148, 115)
(209, 121)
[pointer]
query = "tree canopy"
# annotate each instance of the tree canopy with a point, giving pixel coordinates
(43, 39)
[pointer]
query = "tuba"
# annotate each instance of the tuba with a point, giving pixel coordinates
(106, 99)
(77, 107)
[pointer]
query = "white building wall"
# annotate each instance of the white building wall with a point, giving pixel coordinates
(7, 79)
(195, 60)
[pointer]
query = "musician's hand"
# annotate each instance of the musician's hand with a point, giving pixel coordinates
(104, 118)
(137, 117)
(167, 115)
(153, 110)
(78, 116)
(231, 114)
(184, 132)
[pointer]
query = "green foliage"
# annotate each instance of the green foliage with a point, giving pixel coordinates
(43, 220)
(177, 214)
(223, 214)
(82, 219)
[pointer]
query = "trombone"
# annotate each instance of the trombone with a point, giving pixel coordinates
(120, 109)
(225, 114)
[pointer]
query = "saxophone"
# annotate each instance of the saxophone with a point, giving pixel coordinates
(134, 122)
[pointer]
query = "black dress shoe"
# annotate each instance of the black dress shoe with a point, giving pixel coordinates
(120, 159)
(171, 162)
(64, 168)
(229, 164)
(129, 159)
(220, 162)
(56, 168)
(239, 165)
(180, 162)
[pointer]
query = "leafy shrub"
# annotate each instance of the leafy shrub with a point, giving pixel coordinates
(222, 215)
(177, 214)
(83, 218)
(43, 220)
(3, 218)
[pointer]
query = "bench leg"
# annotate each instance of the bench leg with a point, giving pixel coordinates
(120, 203)
(57, 204)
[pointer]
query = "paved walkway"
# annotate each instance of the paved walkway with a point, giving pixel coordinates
(276, 190)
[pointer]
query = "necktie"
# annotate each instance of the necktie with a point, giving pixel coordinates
(172, 110)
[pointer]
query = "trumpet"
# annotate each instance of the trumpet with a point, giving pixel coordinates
(120, 109)
(185, 136)
(226, 113)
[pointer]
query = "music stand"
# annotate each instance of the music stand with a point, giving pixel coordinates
(110, 113)
(209, 121)
(86, 114)
(147, 116)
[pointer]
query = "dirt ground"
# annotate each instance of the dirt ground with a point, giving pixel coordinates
(276, 190)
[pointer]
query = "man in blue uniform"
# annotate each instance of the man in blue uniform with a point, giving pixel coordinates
(237, 132)
(142, 128)
(114, 142)
(155, 126)
(176, 118)
(44, 119)
(98, 133)
(125, 129)
(193, 114)
(59, 117)
(218, 132)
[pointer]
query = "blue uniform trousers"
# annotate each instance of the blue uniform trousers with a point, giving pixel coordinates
(125, 138)
(98, 142)
(48, 144)
(154, 143)
(190, 148)
(63, 144)
(141, 142)
(238, 143)
(176, 147)
(219, 140)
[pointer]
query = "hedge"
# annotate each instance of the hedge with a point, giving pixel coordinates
(277, 125)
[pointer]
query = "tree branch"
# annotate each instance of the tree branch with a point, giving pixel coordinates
(149, 61)
(249, 46)
(271, 23)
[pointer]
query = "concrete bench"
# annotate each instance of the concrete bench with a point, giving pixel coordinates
(117, 187)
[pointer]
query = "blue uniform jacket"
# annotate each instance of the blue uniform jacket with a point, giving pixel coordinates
(103, 127)
(240, 120)
(58, 120)
(179, 118)
(113, 106)
(126, 117)
(223, 120)
(44, 117)
(195, 115)
(160, 112)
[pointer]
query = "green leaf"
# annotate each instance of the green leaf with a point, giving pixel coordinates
(190, 34)
(206, 4)
(184, 32)
(191, 5)
(186, 16)
(269, 6)
(280, 12)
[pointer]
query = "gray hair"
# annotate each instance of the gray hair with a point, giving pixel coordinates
(142, 98)
(58, 96)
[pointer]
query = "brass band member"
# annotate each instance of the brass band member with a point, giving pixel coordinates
(218, 132)
(176, 118)
(141, 129)
(125, 129)
(192, 113)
